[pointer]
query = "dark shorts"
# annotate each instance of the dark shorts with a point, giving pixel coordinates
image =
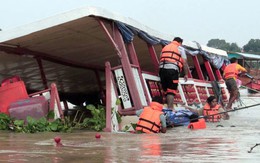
(231, 84)
(169, 80)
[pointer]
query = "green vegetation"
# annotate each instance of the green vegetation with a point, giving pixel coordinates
(222, 44)
(33, 125)
(96, 122)
(127, 127)
(5, 120)
(253, 46)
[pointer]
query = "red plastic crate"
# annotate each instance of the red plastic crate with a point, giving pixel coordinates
(11, 92)
(9, 80)
(36, 107)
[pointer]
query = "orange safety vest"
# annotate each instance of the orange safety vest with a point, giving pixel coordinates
(210, 111)
(149, 121)
(231, 71)
(171, 54)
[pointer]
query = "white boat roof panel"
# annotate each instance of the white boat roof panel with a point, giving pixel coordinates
(193, 45)
(74, 15)
(93, 11)
(251, 56)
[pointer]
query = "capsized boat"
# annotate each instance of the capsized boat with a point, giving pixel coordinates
(96, 56)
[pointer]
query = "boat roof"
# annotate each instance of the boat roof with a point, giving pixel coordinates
(73, 49)
(244, 55)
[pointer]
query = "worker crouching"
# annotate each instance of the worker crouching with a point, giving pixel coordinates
(151, 119)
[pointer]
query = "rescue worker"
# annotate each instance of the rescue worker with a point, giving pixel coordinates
(210, 108)
(230, 75)
(151, 119)
(173, 60)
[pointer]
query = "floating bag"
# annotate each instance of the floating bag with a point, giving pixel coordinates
(178, 118)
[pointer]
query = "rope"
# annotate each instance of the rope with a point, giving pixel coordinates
(245, 107)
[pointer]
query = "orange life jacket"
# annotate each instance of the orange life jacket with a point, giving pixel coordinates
(231, 71)
(210, 111)
(171, 54)
(149, 121)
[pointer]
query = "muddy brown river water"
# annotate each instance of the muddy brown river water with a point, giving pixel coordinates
(229, 143)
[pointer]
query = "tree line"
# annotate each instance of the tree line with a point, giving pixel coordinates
(253, 46)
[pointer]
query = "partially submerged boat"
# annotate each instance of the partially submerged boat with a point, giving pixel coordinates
(251, 63)
(95, 56)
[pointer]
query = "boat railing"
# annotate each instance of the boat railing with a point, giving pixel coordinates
(51, 94)
(117, 87)
(190, 92)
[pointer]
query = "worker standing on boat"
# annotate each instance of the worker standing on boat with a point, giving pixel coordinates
(230, 75)
(173, 60)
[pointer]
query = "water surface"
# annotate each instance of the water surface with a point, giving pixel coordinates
(229, 143)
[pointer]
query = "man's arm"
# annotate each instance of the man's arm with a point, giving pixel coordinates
(139, 112)
(163, 123)
(163, 130)
(197, 111)
(240, 68)
(193, 53)
(186, 70)
(185, 64)
(184, 53)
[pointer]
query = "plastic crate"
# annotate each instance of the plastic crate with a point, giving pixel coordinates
(11, 91)
(36, 107)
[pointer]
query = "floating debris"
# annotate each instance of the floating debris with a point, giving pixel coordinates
(98, 136)
(251, 149)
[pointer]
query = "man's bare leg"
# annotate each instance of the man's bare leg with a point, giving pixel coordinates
(170, 98)
(232, 98)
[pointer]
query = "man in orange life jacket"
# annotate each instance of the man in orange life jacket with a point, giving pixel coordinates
(172, 61)
(210, 108)
(230, 75)
(151, 119)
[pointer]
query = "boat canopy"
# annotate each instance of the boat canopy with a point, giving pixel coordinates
(71, 50)
(244, 55)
